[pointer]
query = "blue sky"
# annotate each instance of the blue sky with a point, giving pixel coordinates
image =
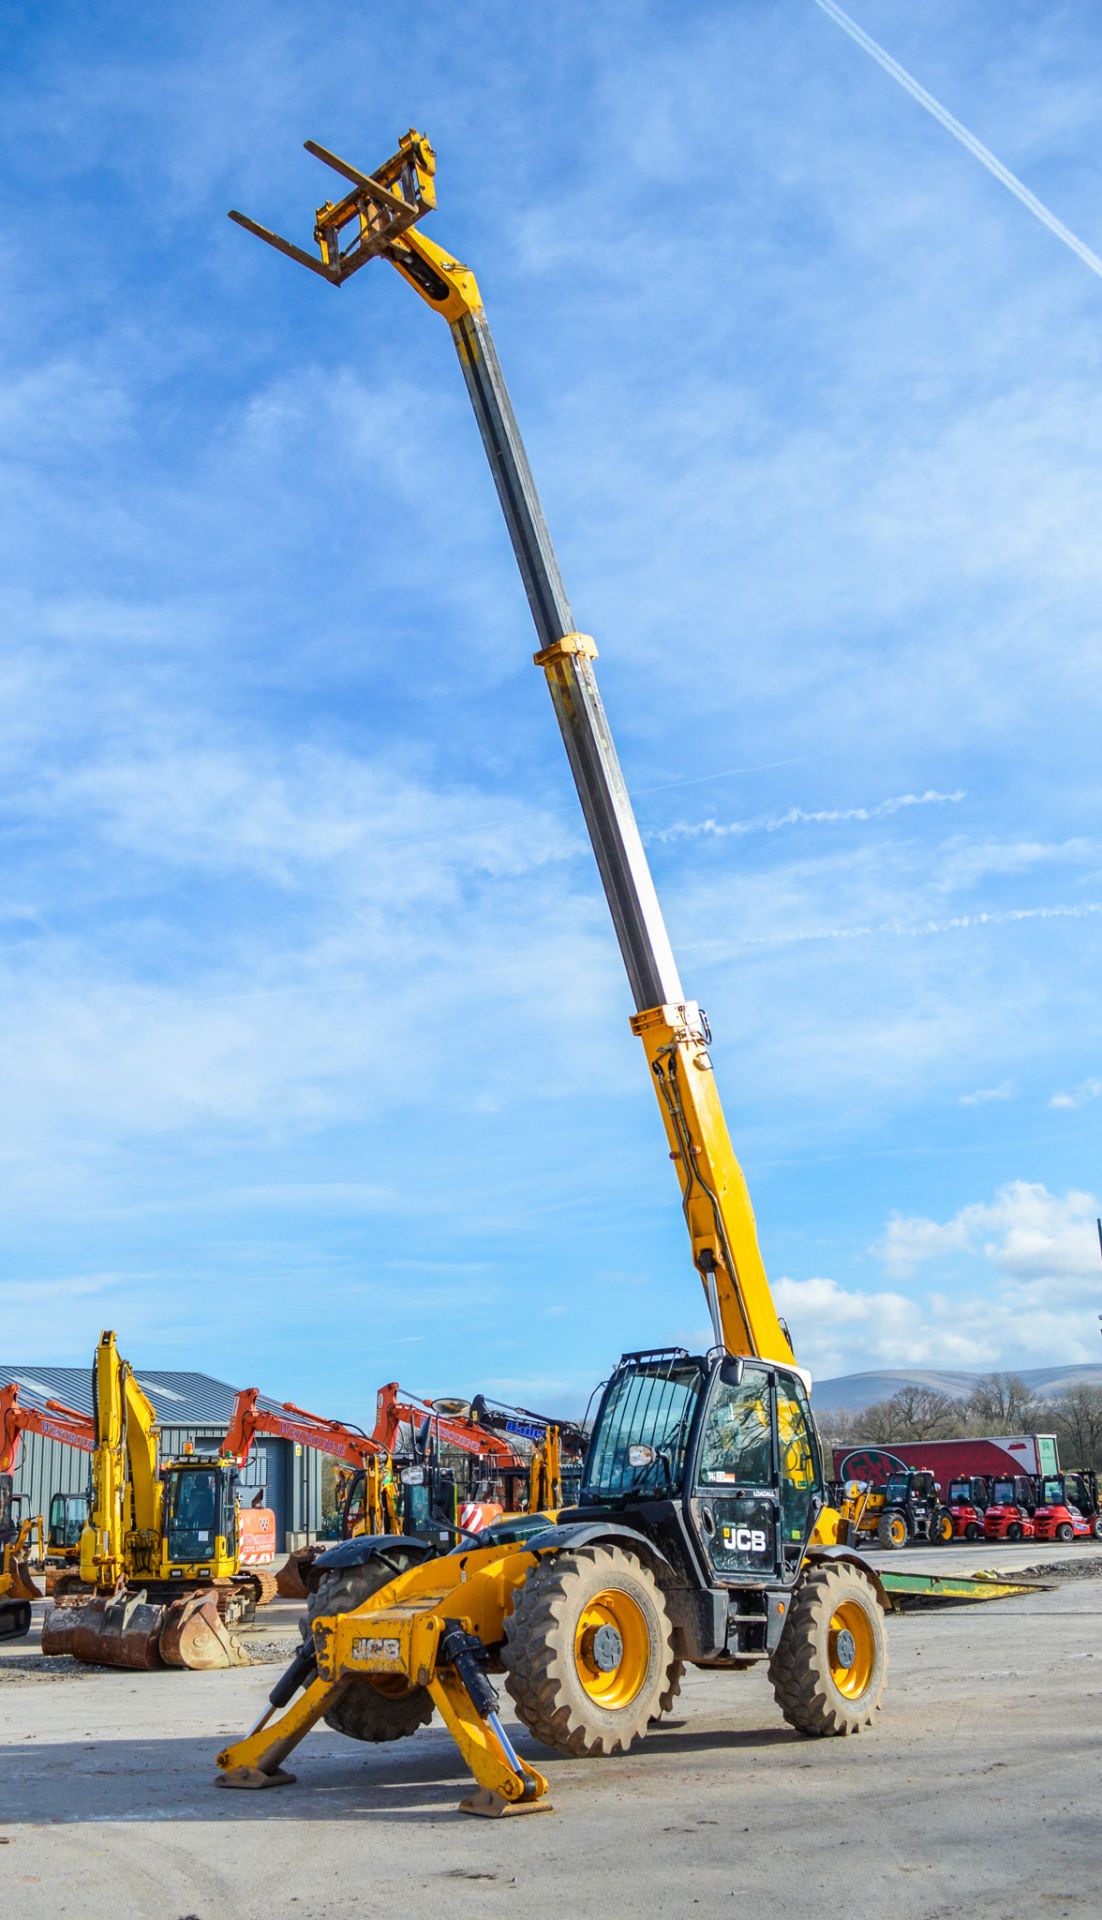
(317, 1068)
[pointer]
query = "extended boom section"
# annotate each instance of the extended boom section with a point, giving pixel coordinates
(717, 1204)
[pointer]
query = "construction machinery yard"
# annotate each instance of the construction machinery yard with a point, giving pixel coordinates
(734, 1664)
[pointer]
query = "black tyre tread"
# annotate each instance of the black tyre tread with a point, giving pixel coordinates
(805, 1694)
(362, 1712)
(536, 1674)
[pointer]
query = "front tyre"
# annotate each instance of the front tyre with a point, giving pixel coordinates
(588, 1651)
(891, 1530)
(371, 1707)
(831, 1667)
(943, 1528)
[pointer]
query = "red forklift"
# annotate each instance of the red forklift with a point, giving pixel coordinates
(1010, 1513)
(1068, 1507)
(966, 1503)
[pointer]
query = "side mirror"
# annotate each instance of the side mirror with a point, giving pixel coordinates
(731, 1371)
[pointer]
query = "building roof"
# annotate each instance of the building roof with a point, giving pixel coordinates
(179, 1399)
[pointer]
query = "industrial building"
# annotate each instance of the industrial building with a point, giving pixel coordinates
(191, 1408)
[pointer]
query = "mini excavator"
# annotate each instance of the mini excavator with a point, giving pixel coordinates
(702, 1532)
(162, 1551)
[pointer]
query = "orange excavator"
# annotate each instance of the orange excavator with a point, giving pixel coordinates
(368, 1498)
(17, 1585)
(430, 1429)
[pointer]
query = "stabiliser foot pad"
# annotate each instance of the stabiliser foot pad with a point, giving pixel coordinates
(252, 1779)
(491, 1806)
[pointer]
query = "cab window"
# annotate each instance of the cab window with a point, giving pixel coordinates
(737, 1444)
(801, 1473)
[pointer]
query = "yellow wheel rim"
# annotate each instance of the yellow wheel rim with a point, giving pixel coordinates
(612, 1648)
(945, 1526)
(898, 1532)
(851, 1649)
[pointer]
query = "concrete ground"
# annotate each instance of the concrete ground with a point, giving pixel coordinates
(977, 1794)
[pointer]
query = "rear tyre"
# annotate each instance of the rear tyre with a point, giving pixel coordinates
(891, 1530)
(376, 1708)
(830, 1669)
(943, 1528)
(973, 1531)
(1065, 1531)
(1096, 1526)
(588, 1651)
(1014, 1530)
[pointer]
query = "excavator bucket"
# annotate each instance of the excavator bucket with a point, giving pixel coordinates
(291, 1578)
(194, 1635)
(112, 1630)
(21, 1585)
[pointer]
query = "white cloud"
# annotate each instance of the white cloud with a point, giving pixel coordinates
(804, 816)
(1079, 1096)
(1045, 1244)
(982, 1096)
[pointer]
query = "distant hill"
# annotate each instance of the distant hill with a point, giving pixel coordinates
(852, 1392)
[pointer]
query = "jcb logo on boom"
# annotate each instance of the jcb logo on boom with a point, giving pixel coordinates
(745, 1539)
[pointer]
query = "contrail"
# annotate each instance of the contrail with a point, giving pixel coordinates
(983, 154)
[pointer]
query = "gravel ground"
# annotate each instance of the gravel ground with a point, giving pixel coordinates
(976, 1794)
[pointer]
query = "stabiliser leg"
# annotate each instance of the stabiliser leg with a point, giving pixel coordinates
(254, 1762)
(460, 1687)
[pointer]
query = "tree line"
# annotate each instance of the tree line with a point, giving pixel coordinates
(998, 1403)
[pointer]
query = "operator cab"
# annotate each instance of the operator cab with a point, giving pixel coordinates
(730, 1444)
(968, 1493)
(7, 1500)
(68, 1519)
(200, 1508)
(1017, 1492)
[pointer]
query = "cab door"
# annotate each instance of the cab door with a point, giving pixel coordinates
(735, 1502)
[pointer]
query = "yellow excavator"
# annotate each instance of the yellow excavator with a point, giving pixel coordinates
(703, 1533)
(161, 1548)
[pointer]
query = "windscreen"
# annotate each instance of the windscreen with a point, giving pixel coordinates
(68, 1513)
(649, 1403)
(193, 1517)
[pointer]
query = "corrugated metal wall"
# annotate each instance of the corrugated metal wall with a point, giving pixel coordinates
(46, 1467)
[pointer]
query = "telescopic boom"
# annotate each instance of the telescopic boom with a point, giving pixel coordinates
(377, 219)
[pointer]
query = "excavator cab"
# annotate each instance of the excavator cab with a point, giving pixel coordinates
(67, 1521)
(8, 1527)
(200, 1516)
(713, 1458)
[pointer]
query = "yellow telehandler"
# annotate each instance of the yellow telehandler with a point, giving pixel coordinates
(702, 1533)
